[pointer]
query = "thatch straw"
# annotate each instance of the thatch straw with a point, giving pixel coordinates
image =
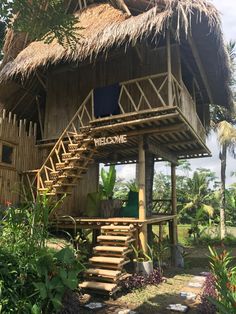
(105, 27)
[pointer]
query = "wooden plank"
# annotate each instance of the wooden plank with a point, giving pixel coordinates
(106, 260)
(98, 286)
(113, 238)
(103, 272)
(120, 249)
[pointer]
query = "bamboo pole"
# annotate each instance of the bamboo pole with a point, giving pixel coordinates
(142, 196)
(173, 223)
(169, 70)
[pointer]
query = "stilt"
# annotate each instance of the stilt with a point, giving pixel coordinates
(142, 195)
(173, 224)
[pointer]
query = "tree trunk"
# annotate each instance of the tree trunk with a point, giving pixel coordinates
(223, 156)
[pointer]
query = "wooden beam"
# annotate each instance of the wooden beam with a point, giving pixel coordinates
(161, 151)
(200, 66)
(136, 122)
(179, 127)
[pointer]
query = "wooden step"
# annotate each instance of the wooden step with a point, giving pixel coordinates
(54, 175)
(60, 165)
(107, 260)
(116, 249)
(118, 227)
(74, 167)
(104, 273)
(48, 183)
(61, 185)
(69, 176)
(104, 286)
(114, 238)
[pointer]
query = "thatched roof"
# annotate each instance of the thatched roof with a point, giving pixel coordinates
(105, 27)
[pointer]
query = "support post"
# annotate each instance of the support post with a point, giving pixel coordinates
(173, 223)
(169, 70)
(142, 195)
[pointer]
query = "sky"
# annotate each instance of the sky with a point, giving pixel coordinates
(228, 15)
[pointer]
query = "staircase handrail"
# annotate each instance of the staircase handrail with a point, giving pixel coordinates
(64, 132)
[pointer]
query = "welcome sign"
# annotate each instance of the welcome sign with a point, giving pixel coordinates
(117, 139)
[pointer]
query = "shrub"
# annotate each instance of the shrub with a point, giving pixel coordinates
(33, 278)
(209, 290)
(138, 281)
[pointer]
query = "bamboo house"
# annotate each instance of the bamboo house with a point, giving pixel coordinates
(136, 89)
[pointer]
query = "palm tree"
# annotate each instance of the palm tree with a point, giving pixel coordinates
(199, 197)
(226, 135)
(223, 121)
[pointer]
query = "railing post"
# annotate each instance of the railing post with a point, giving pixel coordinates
(169, 70)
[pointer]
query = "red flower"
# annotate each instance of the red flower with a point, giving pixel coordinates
(8, 203)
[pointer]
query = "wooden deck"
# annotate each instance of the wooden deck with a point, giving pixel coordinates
(69, 222)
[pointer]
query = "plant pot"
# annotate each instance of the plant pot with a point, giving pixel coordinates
(110, 208)
(144, 268)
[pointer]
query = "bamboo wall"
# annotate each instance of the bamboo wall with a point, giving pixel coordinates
(67, 90)
(21, 136)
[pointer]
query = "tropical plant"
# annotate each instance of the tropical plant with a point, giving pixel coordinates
(198, 197)
(41, 20)
(225, 282)
(141, 256)
(108, 182)
(33, 278)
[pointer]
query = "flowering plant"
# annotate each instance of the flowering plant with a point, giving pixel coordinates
(225, 282)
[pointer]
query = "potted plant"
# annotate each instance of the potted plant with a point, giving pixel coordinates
(143, 261)
(109, 206)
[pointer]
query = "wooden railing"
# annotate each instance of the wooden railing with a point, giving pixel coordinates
(81, 119)
(143, 93)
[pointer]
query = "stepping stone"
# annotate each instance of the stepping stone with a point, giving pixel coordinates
(94, 305)
(205, 273)
(195, 284)
(198, 278)
(177, 308)
(188, 295)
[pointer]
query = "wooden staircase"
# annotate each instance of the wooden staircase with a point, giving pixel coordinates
(109, 258)
(70, 156)
(73, 164)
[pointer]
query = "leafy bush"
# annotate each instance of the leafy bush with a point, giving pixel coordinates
(33, 278)
(137, 281)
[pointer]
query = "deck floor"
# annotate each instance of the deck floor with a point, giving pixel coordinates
(70, 222)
